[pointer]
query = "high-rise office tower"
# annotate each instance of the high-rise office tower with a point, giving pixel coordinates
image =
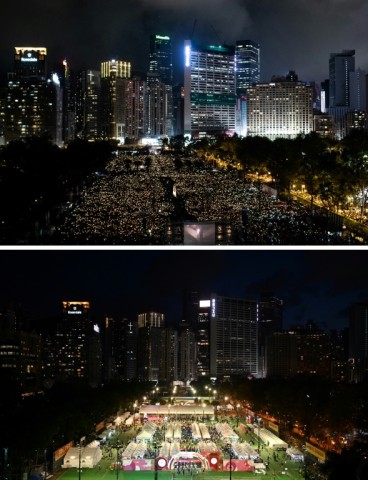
(88, 104)
(358, 90)
(358, 340)
(159, 107)
(281, 355)
(160, 88)
(270, 314)
(187, 336)
(339, 345)
(110, 338)
(279, 109)
(203, 340)
(178, 109)
(187, 355)
(248, 65)
(169, 355)
(160, 58)
(94, 356)
(340, 66)
(233, 337)
(30, 62)
(68, 79)
(313, 350)
(151, 319)
(150, 327)
(190, 307)
(324, 125)
(325, 96)
(130, 350)
(209, 90)
(356, 119)
(270, 320)
(72, 338)
(20, 350)
(31, 98)
(135, 108)
(113, 75)
(119, 349)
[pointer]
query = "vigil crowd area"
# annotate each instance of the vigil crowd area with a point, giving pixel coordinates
(137, 197)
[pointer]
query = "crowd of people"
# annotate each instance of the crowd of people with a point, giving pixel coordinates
(135, 200)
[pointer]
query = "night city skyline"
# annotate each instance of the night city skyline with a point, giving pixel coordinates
(317, 285)
(88, 33)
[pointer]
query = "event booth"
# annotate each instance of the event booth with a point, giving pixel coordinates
(84, 457)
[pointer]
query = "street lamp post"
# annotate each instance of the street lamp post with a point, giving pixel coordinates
(79, 460)
(117, 446)
(230, 456)
(156, 447)
(45, 464)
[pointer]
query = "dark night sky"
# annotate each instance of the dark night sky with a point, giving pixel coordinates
(294, 34)
(316, 285)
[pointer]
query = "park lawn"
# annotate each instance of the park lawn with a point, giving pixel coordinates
(104, 474)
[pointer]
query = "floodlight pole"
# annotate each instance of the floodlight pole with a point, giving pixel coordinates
(118, 446)
(156, 454)
(79, 460)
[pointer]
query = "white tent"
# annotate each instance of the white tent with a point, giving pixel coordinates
(270, 439)
(175, 411)
(87, 457)
(144, 436)
(295, 454)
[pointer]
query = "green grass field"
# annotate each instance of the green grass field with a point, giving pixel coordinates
(294, 471)
(94, 474)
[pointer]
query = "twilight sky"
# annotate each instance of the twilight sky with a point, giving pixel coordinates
(315, 285)
(294, 34)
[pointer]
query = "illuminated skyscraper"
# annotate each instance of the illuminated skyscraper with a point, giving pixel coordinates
(113, 75)
(203, 338)
(88, 104)
(159, 107)
(279, 109)
(160, 88)
(209, 90)
(31, 98)
(151, 319)
(247, 62)
(160, 58)
(72, 340)
(135, 108)
(30, 62)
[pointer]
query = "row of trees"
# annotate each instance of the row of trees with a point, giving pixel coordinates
(334, 171)
(323, 410)
(36, 176)
(66, 412)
